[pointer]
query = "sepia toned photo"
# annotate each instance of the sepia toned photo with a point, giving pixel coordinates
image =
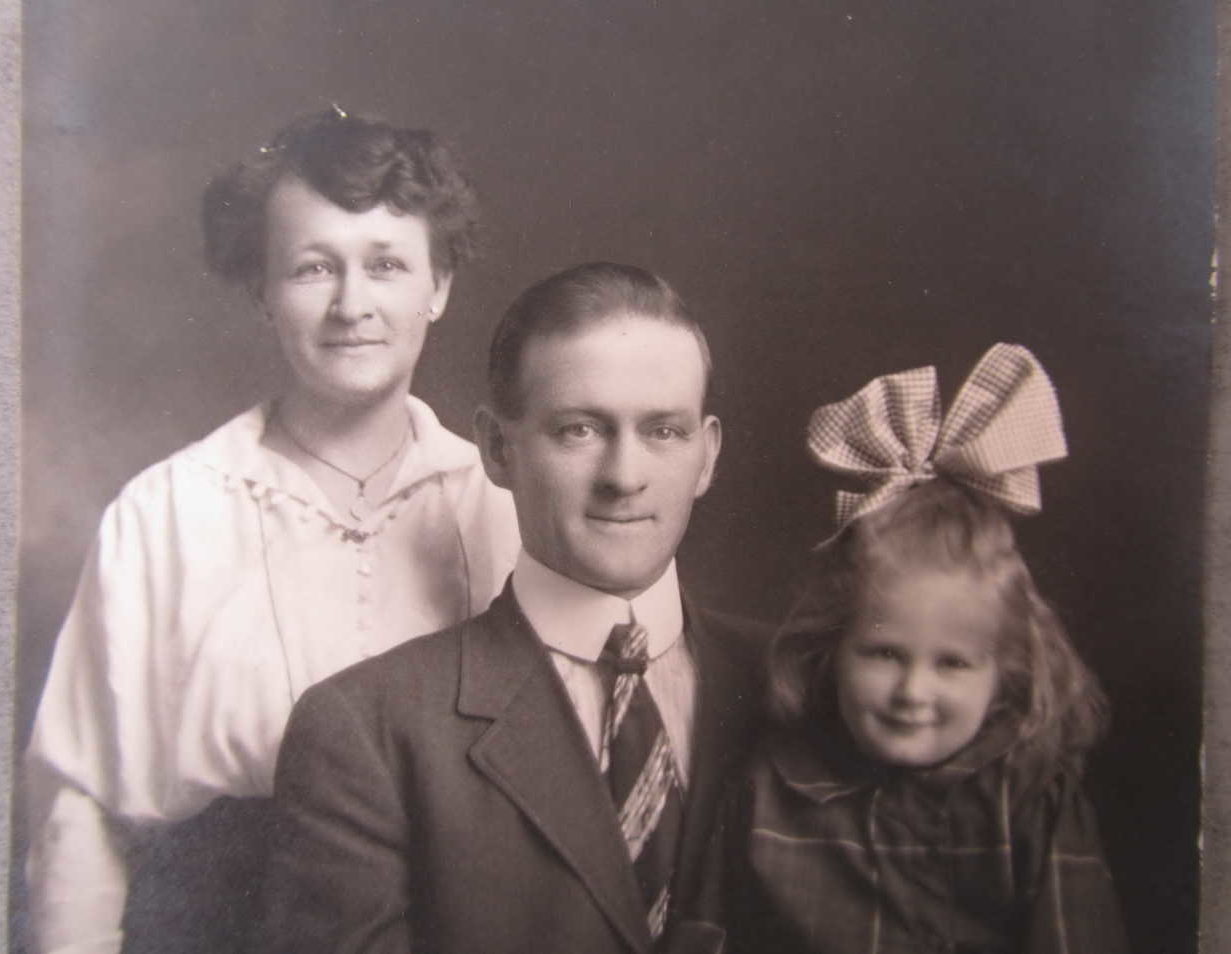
(567, 476)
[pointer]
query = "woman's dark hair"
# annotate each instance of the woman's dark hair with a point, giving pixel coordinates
(357, 164)
(577, 298)
(1045, 689)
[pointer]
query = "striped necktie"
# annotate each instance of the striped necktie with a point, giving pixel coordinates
(641, 772)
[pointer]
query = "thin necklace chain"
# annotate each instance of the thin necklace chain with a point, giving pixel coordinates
(360, 482)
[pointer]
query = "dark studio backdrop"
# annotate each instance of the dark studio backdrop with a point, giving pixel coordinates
(840, 189)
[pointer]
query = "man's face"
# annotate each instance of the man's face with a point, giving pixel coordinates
(610, 451)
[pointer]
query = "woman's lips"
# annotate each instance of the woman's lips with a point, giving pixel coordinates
(619, 520)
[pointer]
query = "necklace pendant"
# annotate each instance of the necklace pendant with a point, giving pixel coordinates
(359, 508)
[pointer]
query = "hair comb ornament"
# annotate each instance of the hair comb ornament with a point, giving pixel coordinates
(1004, 422)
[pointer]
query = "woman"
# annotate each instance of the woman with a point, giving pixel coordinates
(325, 526)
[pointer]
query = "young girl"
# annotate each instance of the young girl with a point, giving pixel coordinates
(920, 789)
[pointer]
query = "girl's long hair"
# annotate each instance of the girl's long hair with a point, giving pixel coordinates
(1050, 697)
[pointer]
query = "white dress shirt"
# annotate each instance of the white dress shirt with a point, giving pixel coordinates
(222, 585)
(574, 621)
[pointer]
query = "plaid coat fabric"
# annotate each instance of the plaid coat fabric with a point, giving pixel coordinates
(829, 854)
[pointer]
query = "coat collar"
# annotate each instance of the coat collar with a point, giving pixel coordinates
(826, 763)
(536, 753)
(535, 750)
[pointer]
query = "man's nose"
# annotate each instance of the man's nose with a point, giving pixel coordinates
(624, 470)
(352, 301)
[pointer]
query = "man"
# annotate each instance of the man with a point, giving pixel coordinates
(542, 778)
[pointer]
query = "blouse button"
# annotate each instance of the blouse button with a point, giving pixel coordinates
(365, 568)
(365, 597)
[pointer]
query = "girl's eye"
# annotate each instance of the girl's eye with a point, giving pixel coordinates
(886, 653)
(953, 662)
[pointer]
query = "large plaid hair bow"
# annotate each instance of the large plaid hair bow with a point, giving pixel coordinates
(1004, 421)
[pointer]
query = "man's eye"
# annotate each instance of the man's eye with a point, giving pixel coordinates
(577, 431)
(666, 432)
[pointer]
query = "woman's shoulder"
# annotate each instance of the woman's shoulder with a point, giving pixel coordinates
(220, 459)
(442, 449)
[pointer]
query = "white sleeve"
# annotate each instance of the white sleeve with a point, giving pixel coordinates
(93, 764)
(487, 523)
(75, 870)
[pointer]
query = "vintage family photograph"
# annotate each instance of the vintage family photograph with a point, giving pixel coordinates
(563, 476)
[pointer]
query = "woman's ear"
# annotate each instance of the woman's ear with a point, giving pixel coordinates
(440, 297)
(489, 435)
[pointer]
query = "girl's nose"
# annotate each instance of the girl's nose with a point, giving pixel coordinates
(913, 685)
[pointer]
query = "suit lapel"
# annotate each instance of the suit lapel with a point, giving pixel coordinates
(721, 725)
(536, 753)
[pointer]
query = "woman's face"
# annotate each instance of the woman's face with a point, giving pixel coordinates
(916, 674)
(350, 294)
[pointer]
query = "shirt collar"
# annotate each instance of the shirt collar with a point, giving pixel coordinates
(575, 619)
(235, 450)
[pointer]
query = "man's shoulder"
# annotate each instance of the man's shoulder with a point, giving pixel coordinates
(423, 667)
(743, 636)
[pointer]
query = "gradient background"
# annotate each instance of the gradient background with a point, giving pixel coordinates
(840, 189)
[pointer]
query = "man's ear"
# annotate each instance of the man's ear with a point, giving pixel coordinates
(711, 434)
(489, 435)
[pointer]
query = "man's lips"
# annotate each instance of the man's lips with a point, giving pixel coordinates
(358, 343)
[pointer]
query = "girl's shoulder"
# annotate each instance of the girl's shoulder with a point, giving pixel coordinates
(814, 764)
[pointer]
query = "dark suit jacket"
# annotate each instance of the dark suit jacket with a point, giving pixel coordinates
(443, 798)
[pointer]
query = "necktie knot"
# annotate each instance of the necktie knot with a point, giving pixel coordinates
(627, 649)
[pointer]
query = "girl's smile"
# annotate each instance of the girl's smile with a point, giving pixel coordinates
(916, 674)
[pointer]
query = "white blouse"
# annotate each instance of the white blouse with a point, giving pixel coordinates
(223, 584)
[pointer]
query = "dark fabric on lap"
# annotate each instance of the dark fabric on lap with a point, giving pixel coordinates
(196, 885)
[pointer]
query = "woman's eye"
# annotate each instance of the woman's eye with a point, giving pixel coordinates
(954, 662)
(885, 653)
(311, 270)
(387, 266)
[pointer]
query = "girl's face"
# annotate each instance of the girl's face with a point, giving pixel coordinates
(350, 294)
(916, 674)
